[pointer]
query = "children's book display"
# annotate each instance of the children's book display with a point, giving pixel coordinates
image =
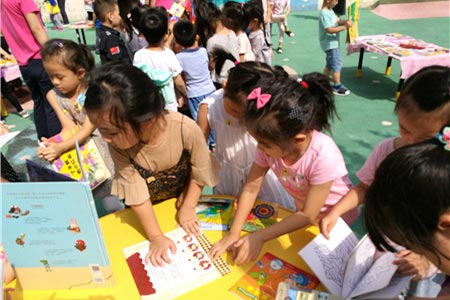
(352, 269)
(215, 212)
(51, 235)
(91, 159)
(190, 267)
(287, 291)
(263, 278)
(353, 15)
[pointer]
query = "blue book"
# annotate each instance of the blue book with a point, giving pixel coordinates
(51, 235)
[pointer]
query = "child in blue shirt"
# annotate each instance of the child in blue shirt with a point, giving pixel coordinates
(329, 27)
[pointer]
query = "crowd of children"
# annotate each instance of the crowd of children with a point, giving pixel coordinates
(269, 129)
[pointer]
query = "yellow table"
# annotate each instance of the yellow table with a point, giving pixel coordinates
(122, 229)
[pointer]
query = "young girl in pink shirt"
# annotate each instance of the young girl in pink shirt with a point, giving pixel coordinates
(286, 118)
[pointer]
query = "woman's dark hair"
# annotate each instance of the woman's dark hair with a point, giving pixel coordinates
(253, 10)
(243, 78)
(206, 14)
(426, 91)
(410, 192)
(154, 25)
(72, 55)
(184, 33)
(126, 93)
(292, 108)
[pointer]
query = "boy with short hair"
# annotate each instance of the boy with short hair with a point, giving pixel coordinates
(329, 27)
(194, 61)
(157, 60)
(109, 44)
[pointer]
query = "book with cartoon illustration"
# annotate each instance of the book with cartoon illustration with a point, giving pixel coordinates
(263, 278)
(51, 235)
(263, 214)
(350, 268)
(353, 15)
(189, 269)
(215, 212)
(91, 160)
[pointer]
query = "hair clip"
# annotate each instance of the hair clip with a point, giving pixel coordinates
(444, 137)
(304, 84)
(296, 114)
(261, 99)
(58, 43)
(236, 62)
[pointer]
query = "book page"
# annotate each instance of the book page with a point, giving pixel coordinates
(391, 291)
(328, 258)
(190, 267)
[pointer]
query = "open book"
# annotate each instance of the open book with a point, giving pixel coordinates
(190, 268)
(353, 269)
(52, 237)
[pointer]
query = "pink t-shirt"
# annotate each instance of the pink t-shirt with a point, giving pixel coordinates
(16, 31)
(322, 162)
(367, 173)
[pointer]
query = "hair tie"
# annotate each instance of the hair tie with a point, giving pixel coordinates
(444, 137)
(304, 84)
(261, 99)
(236, 62)
(58, 43)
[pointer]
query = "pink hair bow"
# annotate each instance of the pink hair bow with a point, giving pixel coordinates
(444, 137)
(261, 99)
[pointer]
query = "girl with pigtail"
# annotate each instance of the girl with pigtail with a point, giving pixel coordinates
(286, 118)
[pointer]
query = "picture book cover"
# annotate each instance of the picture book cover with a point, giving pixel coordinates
(215, 212)
(353, 15)
(190, 267)
(350, 268)
(92, 161)
(262, 215)
(51, 235)
(288, 291)
(263, 278)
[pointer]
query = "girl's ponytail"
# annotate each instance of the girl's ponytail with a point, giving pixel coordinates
(220, 56)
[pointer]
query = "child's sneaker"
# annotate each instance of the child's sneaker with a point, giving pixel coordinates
(340, 90)
(24, 114)
(289, 33)
(280, 48)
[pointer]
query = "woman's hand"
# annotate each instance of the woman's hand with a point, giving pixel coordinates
(410, 263)
(48, 150)
(158, 253)
(187, 217)
(249, 248)
(225, 244)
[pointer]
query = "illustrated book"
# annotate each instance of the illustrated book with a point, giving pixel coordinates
(51, 235)
(263, 214)
(288, 291)
(215, 212)
(350, 268)
(263, 278)
(189, 269)
(353, 15)
(90, 157)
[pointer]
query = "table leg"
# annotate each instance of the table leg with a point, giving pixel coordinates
(83, 36)
(399, 88)
(361, 57)
(388, 66)
(78, 35)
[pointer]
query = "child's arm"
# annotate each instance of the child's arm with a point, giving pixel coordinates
(180, 85)
(245, 202)
(268, 16)
(6, 55)
(353, 199)
(160, 244)
(202, 120)
(343, 25)
(36, 28)
(250, 245)
(187, 216)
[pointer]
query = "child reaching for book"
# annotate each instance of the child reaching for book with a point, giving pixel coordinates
(235, 148)
(158, 154)
(285, 117)
(408, 201)
(68, 65)
(422, 109)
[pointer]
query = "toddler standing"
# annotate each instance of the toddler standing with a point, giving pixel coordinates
(280, 12)
(261, 47)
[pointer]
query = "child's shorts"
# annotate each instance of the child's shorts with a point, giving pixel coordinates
(334, 60)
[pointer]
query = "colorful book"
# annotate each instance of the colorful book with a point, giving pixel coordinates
(353, 15)
(189, 269)
(51, 234)
(91, 159)
(350, 268)
(215, 212)
(263, 278)
(288, 291)
(262, 215)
